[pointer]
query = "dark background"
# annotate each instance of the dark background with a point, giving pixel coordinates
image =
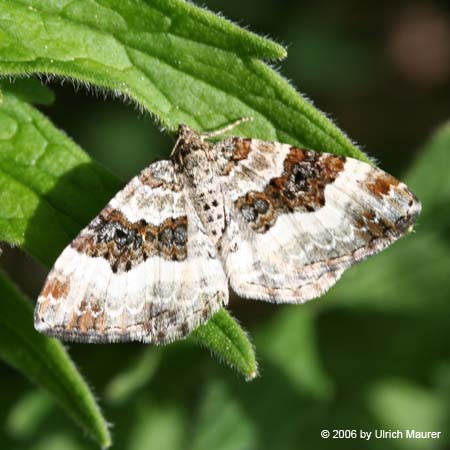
(381, 71)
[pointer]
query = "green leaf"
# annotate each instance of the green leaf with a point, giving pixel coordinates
(49, 189)
(182, 63)
(45, 362)
(226, 339)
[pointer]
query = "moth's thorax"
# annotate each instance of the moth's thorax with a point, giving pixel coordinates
(197, 160)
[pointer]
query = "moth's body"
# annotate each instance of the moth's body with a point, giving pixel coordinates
(196, 161)
(280, 224)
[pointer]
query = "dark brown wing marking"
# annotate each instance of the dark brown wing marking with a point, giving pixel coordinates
(300, 188)
(126, 244)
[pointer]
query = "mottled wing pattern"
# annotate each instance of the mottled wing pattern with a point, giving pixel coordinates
(298, 218)
(143, 269)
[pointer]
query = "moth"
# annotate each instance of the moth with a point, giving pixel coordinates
(276, 222)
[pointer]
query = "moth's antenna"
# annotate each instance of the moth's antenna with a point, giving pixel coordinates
(210, 134)
(175, 146)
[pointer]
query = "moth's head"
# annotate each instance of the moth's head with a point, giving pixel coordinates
(186, 133)
(188, 141)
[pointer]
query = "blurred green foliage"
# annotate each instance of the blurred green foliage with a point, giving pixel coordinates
(373, 353)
